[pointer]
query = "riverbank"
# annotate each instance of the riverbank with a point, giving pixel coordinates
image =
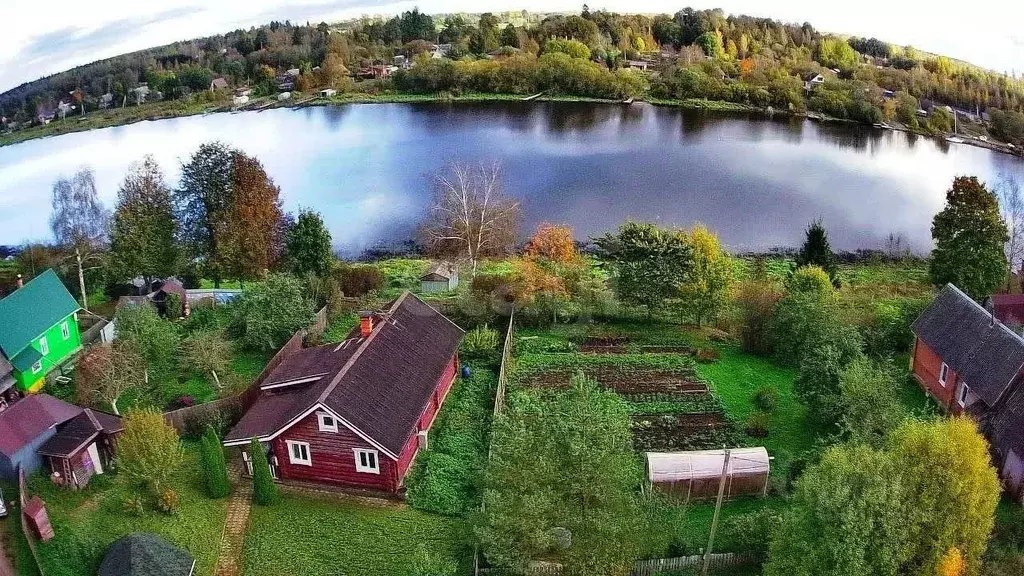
(178, 108)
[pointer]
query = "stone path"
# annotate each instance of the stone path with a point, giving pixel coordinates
(229, 562)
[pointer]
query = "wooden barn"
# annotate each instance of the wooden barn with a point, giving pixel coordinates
(696, 475)
(357, 412)
(441, 277)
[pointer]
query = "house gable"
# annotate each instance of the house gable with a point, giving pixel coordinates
(32, 310)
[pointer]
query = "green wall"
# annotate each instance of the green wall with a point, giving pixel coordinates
(59, 349)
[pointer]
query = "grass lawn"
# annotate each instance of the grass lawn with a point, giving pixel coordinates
(690, 525)
(86, 522)
(332, 537)
(737, 375)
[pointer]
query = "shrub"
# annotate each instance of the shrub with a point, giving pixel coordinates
(202, 318)
(708, 355)
(134, 505)
(757, 424)
(750, 533)
(264, 491)
(766, 398)
(890, 331)
(426, 563)
(156, 339)
(196, 423)
(359, 280)
(480, 340)
(168, 502)
(174, 307)
(490, 284)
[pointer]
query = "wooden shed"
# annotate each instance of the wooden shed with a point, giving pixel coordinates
(441, 276)
(696, 475)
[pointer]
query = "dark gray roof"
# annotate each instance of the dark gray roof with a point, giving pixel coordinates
(144, 554)
(983, 352)
(379, 384)
(1006, 429)
(439, 272)
(75, 434)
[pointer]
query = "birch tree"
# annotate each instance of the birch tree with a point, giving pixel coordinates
(79, 222)
(1011, 203)
(470, 215)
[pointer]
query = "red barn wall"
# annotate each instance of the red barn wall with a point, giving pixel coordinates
(332, 456)
(927, 366)
(444, 385)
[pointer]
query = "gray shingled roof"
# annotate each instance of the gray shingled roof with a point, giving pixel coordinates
(145, 554)
(379, 384)
(1007, 426)
(984, 353)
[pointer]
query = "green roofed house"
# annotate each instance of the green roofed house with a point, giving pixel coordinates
(38, 332)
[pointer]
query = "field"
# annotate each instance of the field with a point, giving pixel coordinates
(335, 537)
(87, 521)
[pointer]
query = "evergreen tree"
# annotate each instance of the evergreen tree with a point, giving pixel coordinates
(264, 491)
(142, 236)
(215, 471)
(816, 250)
(969, 236)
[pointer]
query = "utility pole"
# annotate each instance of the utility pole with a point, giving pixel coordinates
(718, 509)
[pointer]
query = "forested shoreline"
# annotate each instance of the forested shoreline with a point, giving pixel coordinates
(691, 56)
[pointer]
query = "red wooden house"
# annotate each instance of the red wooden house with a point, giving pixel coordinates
(971, 363)
(356, 413)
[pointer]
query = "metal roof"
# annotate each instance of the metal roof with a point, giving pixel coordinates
(695, 465)
(32, 310)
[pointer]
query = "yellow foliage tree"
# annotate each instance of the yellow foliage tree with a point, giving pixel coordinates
(711, 280)
(553, 243)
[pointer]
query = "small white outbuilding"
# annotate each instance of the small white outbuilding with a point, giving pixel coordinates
(695, 475)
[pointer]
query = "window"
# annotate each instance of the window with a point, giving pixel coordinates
(327, 422)
(298, 453)
(37, 366)
(44, 346)
(943, 372)
(64, 330)
(962, 397)
(366, 461)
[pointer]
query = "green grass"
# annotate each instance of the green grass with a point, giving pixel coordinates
(689, 526)
(737, 375)
(86, 522)
(332, 537)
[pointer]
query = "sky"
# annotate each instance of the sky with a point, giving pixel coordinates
(69, 33)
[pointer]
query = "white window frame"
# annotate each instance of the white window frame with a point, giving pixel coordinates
(961, 396)
(321, 418)
(44, 346)
(65, 331)
(292, 444)
(943, 373)
(359, 453)
(37, 366)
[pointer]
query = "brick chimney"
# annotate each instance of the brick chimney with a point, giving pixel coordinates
(21, 282)
(365, 324)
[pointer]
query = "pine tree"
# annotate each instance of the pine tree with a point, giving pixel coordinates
(817, 251)
(215, 469)
(264, 491)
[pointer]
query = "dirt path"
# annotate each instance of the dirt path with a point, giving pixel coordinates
(229, 562)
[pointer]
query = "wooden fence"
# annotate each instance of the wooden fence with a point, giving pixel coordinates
(506, 358)
(29, 536)
(319, 325)
(662, 565)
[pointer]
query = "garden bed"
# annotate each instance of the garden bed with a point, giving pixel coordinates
(681, 431)
(629, 381)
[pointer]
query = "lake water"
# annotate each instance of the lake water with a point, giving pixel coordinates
(367, 168)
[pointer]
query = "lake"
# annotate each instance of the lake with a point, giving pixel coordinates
(367, 168)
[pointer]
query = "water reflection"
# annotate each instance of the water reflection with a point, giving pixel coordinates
(756, 179)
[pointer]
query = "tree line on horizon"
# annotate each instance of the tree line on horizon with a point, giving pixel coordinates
(754, 61)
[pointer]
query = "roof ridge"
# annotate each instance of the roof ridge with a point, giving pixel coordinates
(355, 355)
(422, 301)
(92, 418)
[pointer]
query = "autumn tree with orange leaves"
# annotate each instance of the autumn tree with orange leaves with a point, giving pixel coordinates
(249, 233)
(553, 243)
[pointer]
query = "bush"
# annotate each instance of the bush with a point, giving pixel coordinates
(174, 307)
(134, 505)
(757, 424)
(148, 451)
(708, 355)
(890, 331)
(750, 533)
(264, 491)
(359, 280)
(156, 339)
(766, 398)
(480, 340)
(168, 502)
